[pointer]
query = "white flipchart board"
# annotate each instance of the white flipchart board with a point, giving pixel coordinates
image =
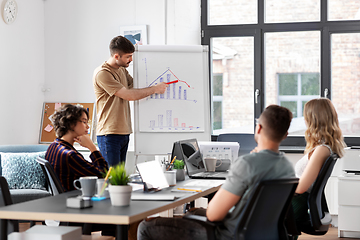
(183, 111)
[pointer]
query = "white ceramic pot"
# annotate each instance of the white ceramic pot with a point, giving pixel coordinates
(120, 195)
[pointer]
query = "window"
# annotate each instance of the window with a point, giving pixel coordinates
(233, 84)
(295, 89)
(232, 12)
(287, 54)
(344, 10)
(292, 11)
(345, 75)
(283, 53)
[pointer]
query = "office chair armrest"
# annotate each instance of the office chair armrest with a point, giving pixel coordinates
(201, 219)
(326, 220)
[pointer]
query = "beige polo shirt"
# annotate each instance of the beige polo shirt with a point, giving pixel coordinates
(113, 113)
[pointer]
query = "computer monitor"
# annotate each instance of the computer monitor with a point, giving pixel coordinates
(188, 150)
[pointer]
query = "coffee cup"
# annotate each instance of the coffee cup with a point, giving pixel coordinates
(210, 163)
(99, 185)
(87, 184)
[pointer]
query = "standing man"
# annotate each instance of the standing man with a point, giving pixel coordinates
(113, 88)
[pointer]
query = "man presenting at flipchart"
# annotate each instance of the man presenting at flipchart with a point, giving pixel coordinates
(113, 88)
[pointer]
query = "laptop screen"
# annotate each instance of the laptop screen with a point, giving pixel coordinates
(151, 173)
(189, 151)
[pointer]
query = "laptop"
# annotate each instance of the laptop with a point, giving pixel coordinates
(153, 179)
(152, 175)
(189, 151)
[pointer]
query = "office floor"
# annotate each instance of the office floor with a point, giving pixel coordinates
(331, 235)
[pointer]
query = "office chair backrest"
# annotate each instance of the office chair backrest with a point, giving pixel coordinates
(319, 213)
(51, 177)
(5, 200)
(264, 213)
(246, 141)
(56, 187)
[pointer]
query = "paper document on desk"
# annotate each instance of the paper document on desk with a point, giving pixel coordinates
(153, 196)
(204, 183)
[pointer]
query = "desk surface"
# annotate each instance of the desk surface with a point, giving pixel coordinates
(102, 211)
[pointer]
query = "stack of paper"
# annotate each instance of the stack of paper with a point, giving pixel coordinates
(42, 232)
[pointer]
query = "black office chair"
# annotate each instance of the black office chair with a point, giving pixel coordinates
(5, 200)
(56, 188)
(246, 141)
(320, 218)
(263, 215)
(51, 177)
(52, 180)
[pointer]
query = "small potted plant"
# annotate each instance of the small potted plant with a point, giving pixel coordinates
(119, 190)
(180, 171)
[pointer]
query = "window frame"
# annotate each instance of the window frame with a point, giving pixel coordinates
(258, 31)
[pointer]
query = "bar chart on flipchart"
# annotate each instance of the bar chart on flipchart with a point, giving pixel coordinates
(180, 108)
(183, 110)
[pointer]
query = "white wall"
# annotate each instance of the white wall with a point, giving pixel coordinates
(56, 45)
(22, 74)
(78, 33)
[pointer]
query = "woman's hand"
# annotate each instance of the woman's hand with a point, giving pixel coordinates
(86, 142)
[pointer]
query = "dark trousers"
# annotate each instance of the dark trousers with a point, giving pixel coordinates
(113, 147)
(173, 228)
(300, 210)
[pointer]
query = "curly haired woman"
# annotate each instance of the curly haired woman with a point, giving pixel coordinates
(71, 125)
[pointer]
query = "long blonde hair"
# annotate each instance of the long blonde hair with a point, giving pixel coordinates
(323, 126)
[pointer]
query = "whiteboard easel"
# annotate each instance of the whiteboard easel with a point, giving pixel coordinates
(181, 113)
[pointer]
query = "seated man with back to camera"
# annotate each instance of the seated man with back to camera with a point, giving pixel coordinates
(265, 163)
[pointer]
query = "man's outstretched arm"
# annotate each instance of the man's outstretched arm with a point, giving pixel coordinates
(133, 94)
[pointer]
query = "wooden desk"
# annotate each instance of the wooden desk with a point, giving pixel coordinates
(102, 211)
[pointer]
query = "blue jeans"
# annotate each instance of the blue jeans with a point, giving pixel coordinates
(113, 147)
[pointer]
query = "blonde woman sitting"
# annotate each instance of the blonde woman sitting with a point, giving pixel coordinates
(323, 137)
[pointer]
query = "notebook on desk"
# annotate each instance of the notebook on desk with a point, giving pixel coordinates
(189, 151)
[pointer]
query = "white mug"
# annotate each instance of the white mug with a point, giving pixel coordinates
(88, 184)
(210, 163)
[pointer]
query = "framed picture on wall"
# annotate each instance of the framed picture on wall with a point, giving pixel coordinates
(136, 34)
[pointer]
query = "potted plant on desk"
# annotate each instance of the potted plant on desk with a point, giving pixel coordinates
(119, 190)
(180, 171)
